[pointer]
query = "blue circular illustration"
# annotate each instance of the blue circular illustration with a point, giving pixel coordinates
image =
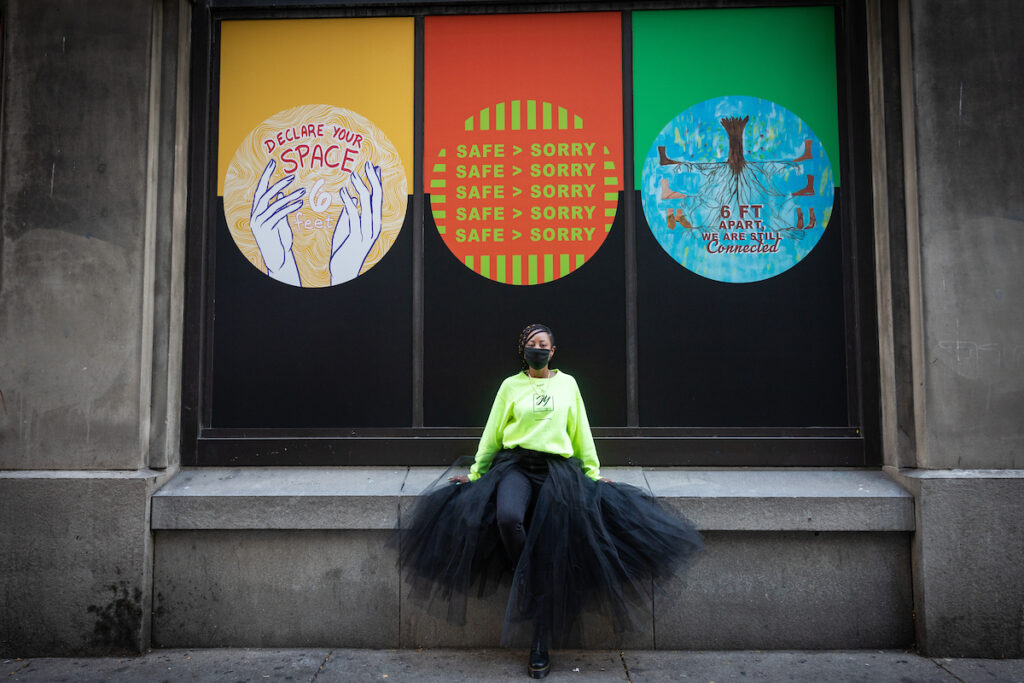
(737, 189)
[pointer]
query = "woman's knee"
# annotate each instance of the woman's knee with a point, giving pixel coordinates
(509, 518)
(512, 501)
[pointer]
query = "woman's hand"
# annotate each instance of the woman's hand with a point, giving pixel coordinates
(459, 479)
(605, 480)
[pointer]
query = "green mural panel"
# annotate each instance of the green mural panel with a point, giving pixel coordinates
(683, 57)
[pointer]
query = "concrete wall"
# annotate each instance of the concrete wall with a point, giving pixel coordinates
(324, 588)
(75, 128)
(93, 150)
(968, 579)
(279, 557)
(962, 99)
(968, 98)
(76, 567)
(87, 320)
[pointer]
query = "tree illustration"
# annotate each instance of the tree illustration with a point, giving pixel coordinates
(739, 180)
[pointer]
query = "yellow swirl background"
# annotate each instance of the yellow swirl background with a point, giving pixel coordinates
(311, 246)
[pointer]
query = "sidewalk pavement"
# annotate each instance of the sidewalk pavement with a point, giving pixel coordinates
(399, 666)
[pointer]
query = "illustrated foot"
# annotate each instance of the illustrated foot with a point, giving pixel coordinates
(663, 159)
(807, 191)
(799, 219)
(669, 193)
(670, 217)
(681, 219)
(813, 220)
(807, 152)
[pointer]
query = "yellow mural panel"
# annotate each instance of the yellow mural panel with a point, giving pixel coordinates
(362, 65)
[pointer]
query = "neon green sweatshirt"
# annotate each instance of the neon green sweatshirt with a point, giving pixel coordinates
(541, 415)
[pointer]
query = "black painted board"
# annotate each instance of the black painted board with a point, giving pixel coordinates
(759, 354)
(471, 325)
(328, 357)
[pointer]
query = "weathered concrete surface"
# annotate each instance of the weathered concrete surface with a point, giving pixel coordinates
(425, 626)
(785, 500)
(879, 666)
(226, 666)
(220, 573)
(167, 226)
(984, 669)
(75, 297)
(437, 666)
(374, 498)
(969, 95)
(968, 576)
(71, 232)
(280, 498)
(492, 665)
(816, 590)
(274, 588)
(75, 566)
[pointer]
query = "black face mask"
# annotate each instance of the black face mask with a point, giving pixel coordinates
(536, 358)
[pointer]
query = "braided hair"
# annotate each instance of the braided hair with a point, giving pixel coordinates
(526, 335)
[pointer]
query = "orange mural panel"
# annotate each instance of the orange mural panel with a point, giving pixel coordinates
(523, 139)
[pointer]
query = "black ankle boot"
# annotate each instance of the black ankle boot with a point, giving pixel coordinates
(540, 663)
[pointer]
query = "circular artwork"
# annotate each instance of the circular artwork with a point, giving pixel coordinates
(315, 195)
(737, 189)
(523, 192)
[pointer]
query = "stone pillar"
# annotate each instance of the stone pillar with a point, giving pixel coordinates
(89, 332)
(961, 103)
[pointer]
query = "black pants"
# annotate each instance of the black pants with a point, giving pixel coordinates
(516, 494)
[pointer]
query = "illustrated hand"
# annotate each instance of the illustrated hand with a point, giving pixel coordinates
(459, 479)
(358, 229)
(269, 224)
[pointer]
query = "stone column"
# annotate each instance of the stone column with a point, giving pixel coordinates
(89, 329)
(962, 455)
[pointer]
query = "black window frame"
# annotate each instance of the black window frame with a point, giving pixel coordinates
(855, 446)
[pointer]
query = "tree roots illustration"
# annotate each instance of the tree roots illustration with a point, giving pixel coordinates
(741, 181)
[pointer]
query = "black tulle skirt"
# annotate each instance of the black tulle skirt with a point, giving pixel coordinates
(590, 546)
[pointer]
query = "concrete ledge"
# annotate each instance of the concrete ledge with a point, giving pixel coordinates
(280, 498)
(786, 500)
(287, 557)
(957, 474)
(374, 498)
